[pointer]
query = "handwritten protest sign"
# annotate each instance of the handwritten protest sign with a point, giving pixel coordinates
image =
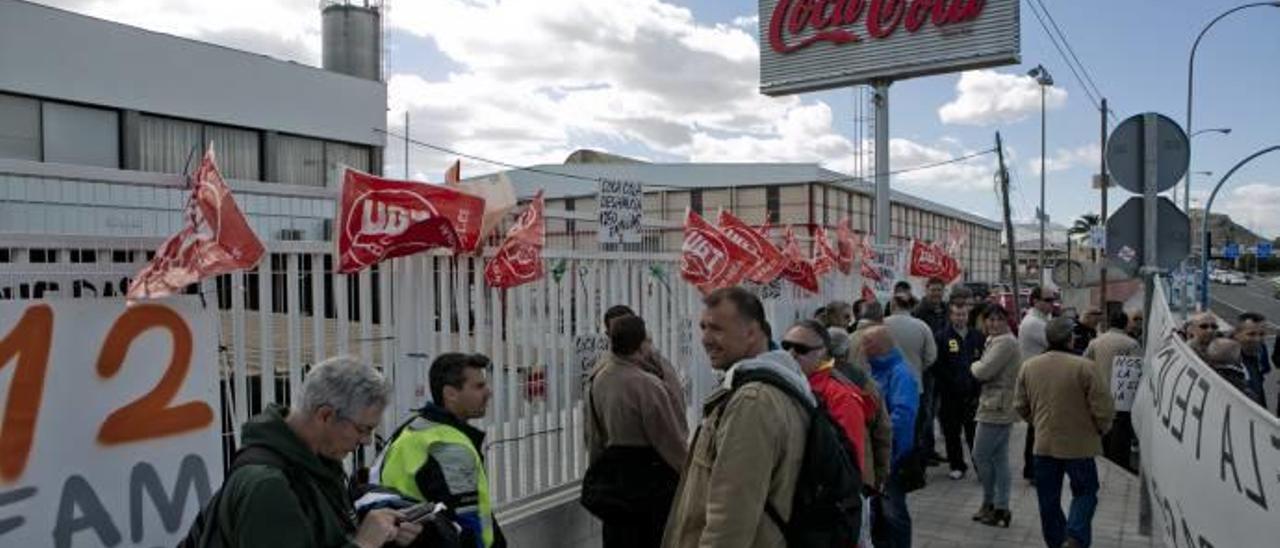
(1126, 373)
(620, 206)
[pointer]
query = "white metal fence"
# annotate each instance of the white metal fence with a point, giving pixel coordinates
(293, 311)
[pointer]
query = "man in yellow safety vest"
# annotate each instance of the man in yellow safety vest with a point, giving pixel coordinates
(436, 456)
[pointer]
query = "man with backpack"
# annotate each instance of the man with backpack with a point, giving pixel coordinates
(741, 481)
(286, 487)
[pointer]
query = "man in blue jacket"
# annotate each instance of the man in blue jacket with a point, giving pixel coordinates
(902, 398)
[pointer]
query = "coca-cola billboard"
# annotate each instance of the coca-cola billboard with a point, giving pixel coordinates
(807, 45)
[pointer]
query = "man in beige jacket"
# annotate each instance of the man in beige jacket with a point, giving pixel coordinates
(1104, 350)
(750, 444)
(1065, 399)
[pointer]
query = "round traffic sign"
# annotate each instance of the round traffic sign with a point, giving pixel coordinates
(1127, 151)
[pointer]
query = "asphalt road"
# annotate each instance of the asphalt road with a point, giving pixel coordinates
(1229, 301)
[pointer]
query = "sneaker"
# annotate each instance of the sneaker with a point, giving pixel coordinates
(956, 474)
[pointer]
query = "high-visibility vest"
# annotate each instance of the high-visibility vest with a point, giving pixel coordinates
(459, 463)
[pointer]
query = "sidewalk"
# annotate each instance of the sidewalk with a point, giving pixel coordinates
(941, 511)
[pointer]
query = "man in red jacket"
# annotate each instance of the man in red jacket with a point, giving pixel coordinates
(809, 343)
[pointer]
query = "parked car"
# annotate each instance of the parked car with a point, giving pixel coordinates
(1234, 278)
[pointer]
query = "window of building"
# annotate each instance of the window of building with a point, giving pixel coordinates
(300, 160)
(239, 151)
(773, 203)
(168, 145)
(19, 128)
(695, 200)
(84, 256)
(80, 135)
(339, 156)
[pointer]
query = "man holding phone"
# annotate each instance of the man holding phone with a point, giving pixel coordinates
(437, 456)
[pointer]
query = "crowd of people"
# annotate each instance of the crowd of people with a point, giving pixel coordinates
(814, 439)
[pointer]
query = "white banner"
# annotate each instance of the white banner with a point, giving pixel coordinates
(110, 430)
(1211, 456)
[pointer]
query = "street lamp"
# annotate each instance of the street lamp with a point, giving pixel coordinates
(1044, 80)
(1191, 68)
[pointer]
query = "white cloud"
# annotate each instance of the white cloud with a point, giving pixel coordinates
(747, 22)
(1064, 159)
(1251, 205)
(986, 97)
(536, 79)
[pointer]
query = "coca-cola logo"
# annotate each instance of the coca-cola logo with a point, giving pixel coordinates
(703, 256)
(797, 24)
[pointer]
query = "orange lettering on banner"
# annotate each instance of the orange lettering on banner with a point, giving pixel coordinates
(150, 416)
(29, 342)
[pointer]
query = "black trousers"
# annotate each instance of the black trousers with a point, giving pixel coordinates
(956, 413)
(643, 530)
(1116, 444)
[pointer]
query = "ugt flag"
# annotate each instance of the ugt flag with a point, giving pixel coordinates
(216, 239)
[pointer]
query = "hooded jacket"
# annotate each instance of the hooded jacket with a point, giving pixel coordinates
(901, 398)
(262, 505)
(747, 452)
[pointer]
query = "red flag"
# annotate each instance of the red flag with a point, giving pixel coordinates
(931, 261)
(519, 259)
(846, 247)
(710, 260)
(824, 259)
(868, 269)
(867, 294)
(799, 270)
(765, 229)
(216, 240)
(454, 174)
(767, 260)
(382, 219)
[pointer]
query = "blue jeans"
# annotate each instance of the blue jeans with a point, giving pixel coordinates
(991, 457)
(1083, 474)
(892, 527)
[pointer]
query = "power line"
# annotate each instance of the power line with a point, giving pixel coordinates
(1053, 39)
(531, 169)
(1070, 50)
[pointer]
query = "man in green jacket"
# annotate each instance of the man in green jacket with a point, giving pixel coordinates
(293, 493)
(436, 456)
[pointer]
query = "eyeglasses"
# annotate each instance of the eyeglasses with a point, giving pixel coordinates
(363, 429)
(798, 348)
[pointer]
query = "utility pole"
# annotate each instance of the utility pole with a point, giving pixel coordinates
(1105, 182)
(1003, 177)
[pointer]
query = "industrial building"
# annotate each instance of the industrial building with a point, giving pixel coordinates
(801, 195)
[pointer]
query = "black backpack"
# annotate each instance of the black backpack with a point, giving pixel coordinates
(826, 510)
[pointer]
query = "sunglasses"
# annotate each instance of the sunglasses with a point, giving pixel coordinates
(797, 347)
(1207, 325)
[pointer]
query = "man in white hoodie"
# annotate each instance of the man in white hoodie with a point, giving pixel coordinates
(745, 459)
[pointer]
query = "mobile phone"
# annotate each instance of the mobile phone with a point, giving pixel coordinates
(417, 512)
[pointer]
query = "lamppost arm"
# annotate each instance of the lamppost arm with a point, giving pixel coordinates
(1204, 223)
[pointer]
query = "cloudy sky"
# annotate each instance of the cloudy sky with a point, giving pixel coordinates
(528, 81)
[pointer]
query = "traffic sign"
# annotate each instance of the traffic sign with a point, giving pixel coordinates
(1124, 235)
(1231, 251)
(1263, 250)
(1126, 153)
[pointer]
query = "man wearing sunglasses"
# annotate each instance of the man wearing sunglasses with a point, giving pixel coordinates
(437, 456)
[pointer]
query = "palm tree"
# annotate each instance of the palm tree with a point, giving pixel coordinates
(1079, 230)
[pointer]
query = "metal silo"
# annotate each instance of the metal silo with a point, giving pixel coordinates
(352, 37)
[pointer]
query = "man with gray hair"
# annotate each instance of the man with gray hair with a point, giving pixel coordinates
(287, 487)
(1071, 408)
